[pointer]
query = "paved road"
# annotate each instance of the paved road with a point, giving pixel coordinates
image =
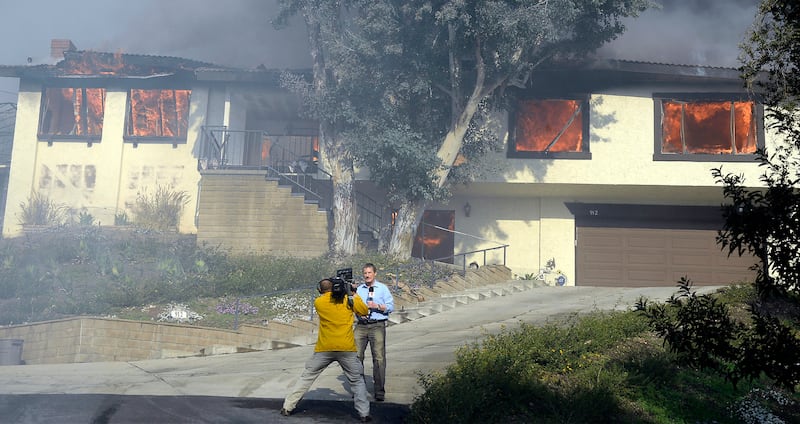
(249, 387)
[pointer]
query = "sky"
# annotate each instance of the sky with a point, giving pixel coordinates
(238, 32)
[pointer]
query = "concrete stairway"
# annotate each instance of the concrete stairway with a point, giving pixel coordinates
(484, 283)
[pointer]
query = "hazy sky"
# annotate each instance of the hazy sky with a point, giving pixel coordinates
(238, 32)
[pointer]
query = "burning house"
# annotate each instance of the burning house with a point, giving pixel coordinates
(606, 171)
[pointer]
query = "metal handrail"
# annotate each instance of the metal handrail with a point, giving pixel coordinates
(463, 255)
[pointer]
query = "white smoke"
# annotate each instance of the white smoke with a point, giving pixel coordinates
(696, 32)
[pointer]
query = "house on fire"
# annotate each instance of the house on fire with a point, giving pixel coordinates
(606, 170)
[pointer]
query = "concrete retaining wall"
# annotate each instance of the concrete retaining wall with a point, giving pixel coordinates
(86, 339)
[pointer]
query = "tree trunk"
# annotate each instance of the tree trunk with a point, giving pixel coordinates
(344, 234)
(405, 229)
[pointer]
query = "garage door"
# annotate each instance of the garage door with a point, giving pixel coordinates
(630, 245)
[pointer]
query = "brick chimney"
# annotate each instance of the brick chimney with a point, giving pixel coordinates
(59, 46)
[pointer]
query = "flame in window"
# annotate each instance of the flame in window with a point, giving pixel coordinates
(549, 126)
(72, 111)
(710, 127)
(158, 113)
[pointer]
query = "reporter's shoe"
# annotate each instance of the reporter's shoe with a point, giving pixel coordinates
(285, 413)
(366, 419)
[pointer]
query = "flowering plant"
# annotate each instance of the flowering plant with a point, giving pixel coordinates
(234, 307)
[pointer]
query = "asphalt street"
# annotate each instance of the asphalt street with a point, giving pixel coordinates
(249, 387)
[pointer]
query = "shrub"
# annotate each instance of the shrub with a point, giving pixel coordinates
(160, 210)
(40, 210)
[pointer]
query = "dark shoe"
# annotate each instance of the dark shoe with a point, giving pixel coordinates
(285, 413)
(366, 419)
(378, 398)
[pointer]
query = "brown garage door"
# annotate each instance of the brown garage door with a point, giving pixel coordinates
(637, 248)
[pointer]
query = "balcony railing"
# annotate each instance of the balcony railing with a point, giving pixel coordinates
(292, 160)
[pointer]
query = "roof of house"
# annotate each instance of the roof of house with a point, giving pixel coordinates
(587, 74)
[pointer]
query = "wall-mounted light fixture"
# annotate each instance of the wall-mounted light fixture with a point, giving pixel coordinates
(467, 209)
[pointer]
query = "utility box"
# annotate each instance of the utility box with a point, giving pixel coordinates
(11, 351)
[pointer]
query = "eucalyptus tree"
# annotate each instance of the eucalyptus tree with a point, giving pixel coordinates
(446, 65)
(328, 98)
(406, 87)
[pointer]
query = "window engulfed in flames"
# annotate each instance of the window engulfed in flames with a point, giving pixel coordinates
(549, 126)
(158, 113)
(710, 127)
(72, 112)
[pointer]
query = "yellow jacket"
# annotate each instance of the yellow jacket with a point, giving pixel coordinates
(336, 323)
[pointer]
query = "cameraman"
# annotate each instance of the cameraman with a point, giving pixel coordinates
(335, 342)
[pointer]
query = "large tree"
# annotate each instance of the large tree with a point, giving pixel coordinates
(445, 65)
(406, 87)
(327, 97)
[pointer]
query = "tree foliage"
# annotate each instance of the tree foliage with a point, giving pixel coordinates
(764, 222)
(439, 71)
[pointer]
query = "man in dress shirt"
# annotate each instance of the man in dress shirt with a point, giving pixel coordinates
(371, 328)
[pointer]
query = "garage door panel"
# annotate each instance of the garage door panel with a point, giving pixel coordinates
(647, 277)
(608, 274)
(607, 258)
(604, 241)
(618, 256)
(655, 258)
(700, 258)
(641, 241)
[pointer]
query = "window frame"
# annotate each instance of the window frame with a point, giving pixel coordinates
(658, 99)
(152, 139)
(585, 152)
(50, 137)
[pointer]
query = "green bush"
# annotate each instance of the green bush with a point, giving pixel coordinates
(603, 367)
(40, 210)
(160, 210)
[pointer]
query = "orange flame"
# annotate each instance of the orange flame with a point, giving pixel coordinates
(705, 127)
(93, 63)
(539, 122)
(159, 113)
(68, 112)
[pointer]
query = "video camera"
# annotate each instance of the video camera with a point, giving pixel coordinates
(342, 283)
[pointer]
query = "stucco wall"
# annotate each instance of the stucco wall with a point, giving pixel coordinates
(622, 147)
(524, 204)
(103, 178)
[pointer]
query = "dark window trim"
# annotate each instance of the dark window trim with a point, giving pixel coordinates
(89, 139)
(511, 152)
(703, 157)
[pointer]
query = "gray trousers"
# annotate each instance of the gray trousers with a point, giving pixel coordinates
(374, 335)
(353, 370)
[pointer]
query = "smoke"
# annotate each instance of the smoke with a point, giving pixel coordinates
(696, 32)
(236, 33)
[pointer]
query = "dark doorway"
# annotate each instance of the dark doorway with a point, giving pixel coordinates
(434, 239)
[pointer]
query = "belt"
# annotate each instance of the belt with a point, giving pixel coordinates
(370, 321)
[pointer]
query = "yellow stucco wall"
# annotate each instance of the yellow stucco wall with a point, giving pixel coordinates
(622, 147)
(103, 178)
(524, 205)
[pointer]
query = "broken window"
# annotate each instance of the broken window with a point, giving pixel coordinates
(72, 112)
(550, 128)
(158, 113)
(694, 128)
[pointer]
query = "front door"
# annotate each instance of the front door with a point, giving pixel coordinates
(434, 239)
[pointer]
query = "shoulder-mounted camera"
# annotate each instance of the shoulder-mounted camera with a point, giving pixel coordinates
(342, 283)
